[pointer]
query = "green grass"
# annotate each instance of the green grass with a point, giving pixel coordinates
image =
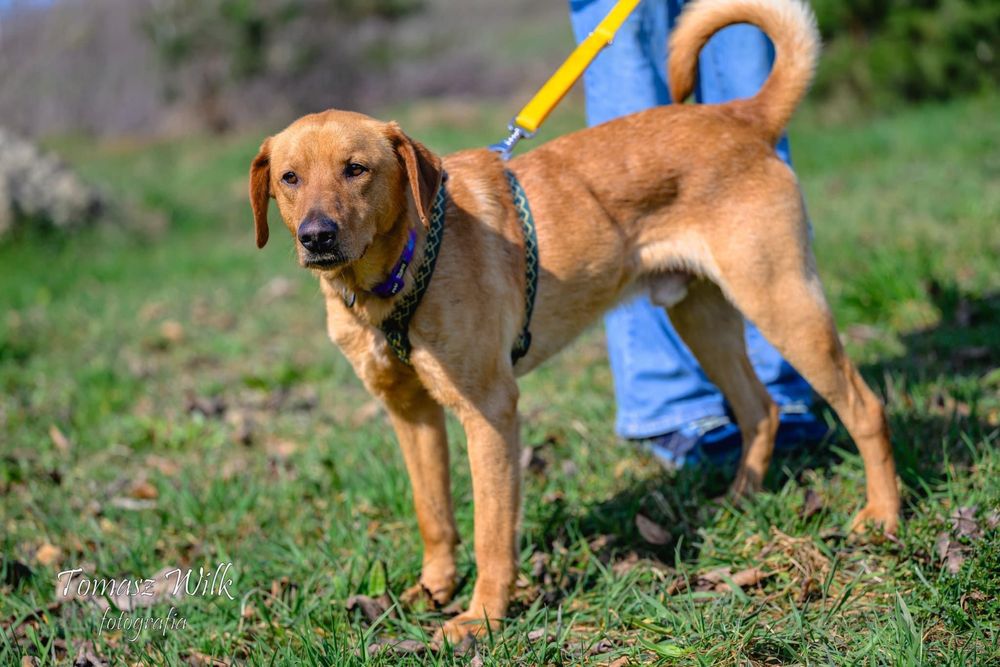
(115, 336)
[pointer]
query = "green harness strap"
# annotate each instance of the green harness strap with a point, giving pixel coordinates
(396, 326)
(523, 341)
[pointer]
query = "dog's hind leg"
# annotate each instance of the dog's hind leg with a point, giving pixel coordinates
(780, 292)
(713, 330)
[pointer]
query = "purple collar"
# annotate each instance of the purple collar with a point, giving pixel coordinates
(394, 283)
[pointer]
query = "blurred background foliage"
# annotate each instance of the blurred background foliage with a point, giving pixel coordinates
(292, 48)
(880, 54)
(114, 67)
(171, 67)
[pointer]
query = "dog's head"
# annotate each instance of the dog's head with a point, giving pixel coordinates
(341, 180)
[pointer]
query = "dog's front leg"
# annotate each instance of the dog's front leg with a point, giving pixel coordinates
(491, 428)
(419, 424)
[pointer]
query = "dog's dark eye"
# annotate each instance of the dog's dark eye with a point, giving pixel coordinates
(290, 178)
(354, 169)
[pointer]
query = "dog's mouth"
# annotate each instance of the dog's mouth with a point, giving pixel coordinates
(324, 262)
(330, 261)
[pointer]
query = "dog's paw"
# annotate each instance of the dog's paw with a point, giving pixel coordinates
(884, 517)
(463, 626)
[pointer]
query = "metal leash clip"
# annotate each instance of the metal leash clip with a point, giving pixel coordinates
(526, 123)
(506, 146)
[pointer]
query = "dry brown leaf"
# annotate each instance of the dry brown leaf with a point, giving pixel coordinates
(18, 626)
(715, 580)
(678, 585)
(539, 564)
(631, 561)
(964, 524)
(950, 552)
(944, 404)
(213, 406)
(811, 505)
(282, 588)
(59, 439)
(626, 564)
(172, 331)
(862, 333)
(152, 310)
(143, 490)
(601, 647)
(651, 531)
(540, 633)
(281, 449)
(86, 656)
(29, 661)
(711, 579)
(243, 426)
(531, 460)
(372, 608)
(619, 662)
(198, 659)
(163, 465)
(971, 600)
(48, 554)
(397, 647)
(744, 579)
(233, 466)
(465, 646)
(601, 542)
(808, 589)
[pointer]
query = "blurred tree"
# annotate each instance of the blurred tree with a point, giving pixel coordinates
(208, 46)
(880, 53)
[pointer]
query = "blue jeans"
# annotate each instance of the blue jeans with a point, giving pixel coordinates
(659, 385)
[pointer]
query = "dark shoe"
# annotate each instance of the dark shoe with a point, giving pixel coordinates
(717, 440)
(694, 443)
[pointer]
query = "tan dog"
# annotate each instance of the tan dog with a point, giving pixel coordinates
(687, 202)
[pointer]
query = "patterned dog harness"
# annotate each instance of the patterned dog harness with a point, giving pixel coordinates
(523, 341)
(397, 325)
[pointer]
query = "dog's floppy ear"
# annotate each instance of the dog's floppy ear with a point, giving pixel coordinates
(423, 170)
(260, 190)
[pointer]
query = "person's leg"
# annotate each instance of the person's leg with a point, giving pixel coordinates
(659, 386)
(734, 65)
(627, 76)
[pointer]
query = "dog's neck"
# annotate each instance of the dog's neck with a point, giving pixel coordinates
(359, 284)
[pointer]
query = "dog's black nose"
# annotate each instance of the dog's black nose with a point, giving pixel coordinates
(318, 234)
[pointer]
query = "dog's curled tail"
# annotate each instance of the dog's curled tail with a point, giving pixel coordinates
(790, 24)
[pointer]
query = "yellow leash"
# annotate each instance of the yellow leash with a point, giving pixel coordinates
(534, 113)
